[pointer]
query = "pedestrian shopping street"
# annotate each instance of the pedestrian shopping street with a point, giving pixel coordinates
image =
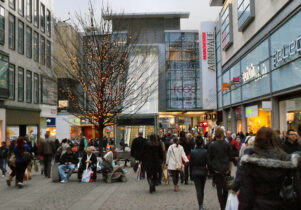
(41, 193)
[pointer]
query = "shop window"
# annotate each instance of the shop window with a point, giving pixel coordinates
(36, 45)
(28, 42)
(2, 25)
(20, 84)
(11, 86)
(245, 13)
(290, 114)
(42, 50)
(28, 86)
(227, 27)
(20, 37)
(36, 83)
(29, 10)
(42, 16)
(21, 7)
(36, 13)
(12, 32)
(263, 119)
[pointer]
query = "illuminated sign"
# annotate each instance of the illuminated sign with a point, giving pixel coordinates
(281, 56)
(254, 72)
(204, 40)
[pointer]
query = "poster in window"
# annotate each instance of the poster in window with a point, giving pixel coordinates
(12, 132)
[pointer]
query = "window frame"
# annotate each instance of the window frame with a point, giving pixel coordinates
(229, 26)
(36, 46)
(12, 83)
(21, 50)
(28, 42)
(28, 72)
(21, 8)
(249, 19)
(42, 50)
(2, 42)
(12, 4)
(36, 13)
(11, 36)
(48, 53)
(29, 10)
(42, 17)
(20, 69)
(48, 22)
(36, 95)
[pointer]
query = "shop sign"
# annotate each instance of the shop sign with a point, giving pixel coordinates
(203, 124)
(225, 87)
(236, 80)
(266, 105)
(252, 111)
(50, 121)
(281, 56)
(254, 72)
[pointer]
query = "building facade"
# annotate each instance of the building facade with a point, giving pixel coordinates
(258, 46)
(28, 90)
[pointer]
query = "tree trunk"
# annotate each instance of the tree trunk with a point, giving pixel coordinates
(100, 131)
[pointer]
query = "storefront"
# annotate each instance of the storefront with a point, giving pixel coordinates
(266, 82)
(48, 120)
(21, 123)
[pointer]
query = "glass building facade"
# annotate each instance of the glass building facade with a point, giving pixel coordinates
(183, 71)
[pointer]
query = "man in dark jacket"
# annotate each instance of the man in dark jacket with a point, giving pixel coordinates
(3, 158)
(137, 148)
(89, 160)
(68, 162)
(47, 151)
(291, 144)
(220, 157)
(198, 168)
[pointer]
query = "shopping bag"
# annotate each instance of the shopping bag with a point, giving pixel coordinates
(36, 167)
(232, 202)
(86, 175)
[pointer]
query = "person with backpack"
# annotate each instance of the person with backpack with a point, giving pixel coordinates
(22, 153)
(3, 158)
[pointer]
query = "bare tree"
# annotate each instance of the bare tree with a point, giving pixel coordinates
(106, 72)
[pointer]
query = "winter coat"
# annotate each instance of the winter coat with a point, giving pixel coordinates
(290, 148)
(19, 152)
(186, 146)
(93, 158)
(219, 156)
(69, 158)
(152, 157)
(47, 147)
(174, 157)
(137, 148)
(261, 178)
(198, 163)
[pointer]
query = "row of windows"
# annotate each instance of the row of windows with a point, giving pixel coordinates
(32, 84)
(245, 14)
(41, 15)
(36, 46)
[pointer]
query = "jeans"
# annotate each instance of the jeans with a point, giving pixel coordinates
(199, 183)
(63, 168)
(222, 189)
(3, 166)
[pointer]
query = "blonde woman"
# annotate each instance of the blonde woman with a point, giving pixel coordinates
(174, 163)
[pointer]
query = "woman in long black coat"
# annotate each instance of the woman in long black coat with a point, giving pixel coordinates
(152, 161)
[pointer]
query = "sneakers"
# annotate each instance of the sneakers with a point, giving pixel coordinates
(64, 181)
(3, 176)
(20, 185)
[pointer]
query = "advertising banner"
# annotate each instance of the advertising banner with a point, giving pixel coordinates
(208, 63)
(12, 132)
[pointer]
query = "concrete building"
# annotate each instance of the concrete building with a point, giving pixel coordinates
(28, 91)
(179, 103)
(258, 64)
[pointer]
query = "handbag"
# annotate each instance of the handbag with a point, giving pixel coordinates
(183, 161)
(27, 156)
(180, 166)
(12, 160)
(165, 174)
(287, 192)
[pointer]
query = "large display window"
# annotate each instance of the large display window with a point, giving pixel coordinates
(263, 119)
(290, 114)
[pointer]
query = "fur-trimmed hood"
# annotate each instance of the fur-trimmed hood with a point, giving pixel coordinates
(292, 163)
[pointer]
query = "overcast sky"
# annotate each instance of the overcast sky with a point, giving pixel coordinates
(199, 9)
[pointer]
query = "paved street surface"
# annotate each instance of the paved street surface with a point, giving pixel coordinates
(41, 193)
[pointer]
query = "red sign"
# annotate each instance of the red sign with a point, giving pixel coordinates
(236, 79)
(204, 41)
(203, 124)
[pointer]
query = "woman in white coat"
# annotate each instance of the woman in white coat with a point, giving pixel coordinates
(174, 157)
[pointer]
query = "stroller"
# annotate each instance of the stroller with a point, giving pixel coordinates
(112, 173)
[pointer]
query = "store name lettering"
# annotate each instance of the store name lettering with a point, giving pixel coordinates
(287, 51)
(208, 42)
(254, 72)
